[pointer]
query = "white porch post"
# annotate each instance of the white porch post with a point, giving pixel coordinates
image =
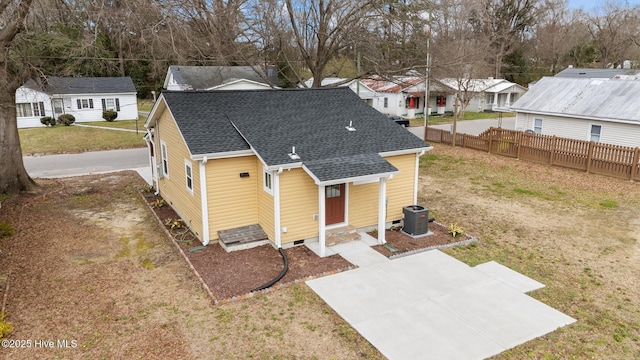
(321, 220)
(382, 214)
(508, 101)
(204, 201)
(276, 209)
(495, 99)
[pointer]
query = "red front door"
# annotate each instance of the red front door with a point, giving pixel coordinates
(334, 204)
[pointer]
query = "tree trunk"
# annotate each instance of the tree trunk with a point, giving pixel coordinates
(13, 176)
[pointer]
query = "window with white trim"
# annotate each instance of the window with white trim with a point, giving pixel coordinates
(267, 181)
(188, 173)
(84, 103)
(165, 158)
(30, 109)
(594, 132)
(111, 104)
(537, 126)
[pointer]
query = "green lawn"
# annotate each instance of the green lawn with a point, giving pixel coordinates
(74, 139)
(445, 119)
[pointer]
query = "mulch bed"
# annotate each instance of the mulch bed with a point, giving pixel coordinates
(404, 244)
(234, 275)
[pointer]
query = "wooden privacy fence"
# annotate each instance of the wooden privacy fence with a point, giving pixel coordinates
(592, 157)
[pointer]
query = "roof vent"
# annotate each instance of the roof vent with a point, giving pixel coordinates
(350, 127)
(293, 154)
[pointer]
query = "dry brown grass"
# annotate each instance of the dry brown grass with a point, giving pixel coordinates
(575, 232)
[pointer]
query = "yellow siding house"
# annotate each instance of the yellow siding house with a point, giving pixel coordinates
(292, 163)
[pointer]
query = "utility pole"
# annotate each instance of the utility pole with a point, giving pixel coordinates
(427, 76)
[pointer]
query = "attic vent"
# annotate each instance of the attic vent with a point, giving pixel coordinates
(293, 154)
(350, 127)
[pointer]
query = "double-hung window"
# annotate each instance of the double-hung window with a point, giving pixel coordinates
(537, 126)
(111, 104)
(84, 103)
(594, 133)
(188, 172)
(165, 158)
(30, 109)
(268, 181)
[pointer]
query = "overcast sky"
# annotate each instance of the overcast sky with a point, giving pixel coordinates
(588, 5)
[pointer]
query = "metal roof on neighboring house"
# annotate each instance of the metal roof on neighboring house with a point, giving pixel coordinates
(595, 73)
(604, 99)
(272, 122)
(205, 77)
(83, 85)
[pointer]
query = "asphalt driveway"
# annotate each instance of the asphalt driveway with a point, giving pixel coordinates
(432, 306)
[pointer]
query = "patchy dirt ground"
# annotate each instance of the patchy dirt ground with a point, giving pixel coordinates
(88, 264)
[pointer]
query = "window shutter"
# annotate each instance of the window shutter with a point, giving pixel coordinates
(41, 109)
(104, 104)
(117, 104)
(91, 103)
(79, 104)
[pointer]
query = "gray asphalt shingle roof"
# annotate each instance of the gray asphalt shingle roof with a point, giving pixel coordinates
(274, 121)
(84, 85)
(205, 77)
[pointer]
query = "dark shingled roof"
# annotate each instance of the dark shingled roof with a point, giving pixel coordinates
(349, 167)
(205, 77)
(84, 85)
(273, 121)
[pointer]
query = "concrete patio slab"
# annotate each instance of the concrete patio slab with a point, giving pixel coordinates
(510, 277)
(432, 306)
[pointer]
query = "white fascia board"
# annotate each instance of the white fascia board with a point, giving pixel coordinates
(363, 178)
(406, 151)
(576, 116)
(223, 155)
(152, 113)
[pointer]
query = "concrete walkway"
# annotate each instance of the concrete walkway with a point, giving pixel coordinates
(432, 306)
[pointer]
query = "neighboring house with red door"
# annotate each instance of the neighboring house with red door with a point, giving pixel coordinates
(600, 109)
(292, 163)
(484, 94)
(395, 95)
(83, 97)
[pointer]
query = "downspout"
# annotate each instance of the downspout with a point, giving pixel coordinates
(157, 133)
(276, 208)
(151, 150)
(415, 177)
(204, 202)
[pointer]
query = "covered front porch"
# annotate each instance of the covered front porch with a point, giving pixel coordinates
(337, 183)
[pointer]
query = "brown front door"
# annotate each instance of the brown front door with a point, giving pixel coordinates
(334, 204)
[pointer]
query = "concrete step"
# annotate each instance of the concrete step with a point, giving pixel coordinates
(343, 230)
(341, 239)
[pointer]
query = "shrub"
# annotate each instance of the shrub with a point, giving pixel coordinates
(109, 115)
(66, 119)
(6, 230)
(5, 327)
(48, 120)
(455, 230)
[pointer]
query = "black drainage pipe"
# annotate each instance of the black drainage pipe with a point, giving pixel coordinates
(279, 277)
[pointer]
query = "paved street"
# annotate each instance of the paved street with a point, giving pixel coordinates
(95, 162)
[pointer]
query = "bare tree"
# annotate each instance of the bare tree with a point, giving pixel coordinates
(13, 176)
(613, 32)
(506, 23)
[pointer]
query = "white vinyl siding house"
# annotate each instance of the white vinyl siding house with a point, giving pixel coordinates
(600, 110)
(84, 98)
